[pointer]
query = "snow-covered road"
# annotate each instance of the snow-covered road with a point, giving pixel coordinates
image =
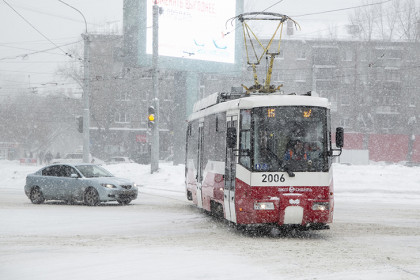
(375, 234)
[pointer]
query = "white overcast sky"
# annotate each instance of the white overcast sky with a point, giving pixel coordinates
(56, 21)
(63, 25)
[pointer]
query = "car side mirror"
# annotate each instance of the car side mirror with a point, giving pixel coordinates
(339, 137)
(73, 175)
(231, 137)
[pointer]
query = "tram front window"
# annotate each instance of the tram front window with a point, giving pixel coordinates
(289, 139)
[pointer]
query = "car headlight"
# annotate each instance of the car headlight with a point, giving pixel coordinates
(109, 186)
(263, 206)
(320, 206)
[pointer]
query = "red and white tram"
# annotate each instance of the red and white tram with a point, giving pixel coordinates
(262, 159)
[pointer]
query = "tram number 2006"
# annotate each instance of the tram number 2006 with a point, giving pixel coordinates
(268, 178)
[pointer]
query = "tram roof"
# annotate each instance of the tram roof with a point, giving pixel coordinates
(212, 105)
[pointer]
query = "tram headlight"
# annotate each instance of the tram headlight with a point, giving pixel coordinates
(263, 206)
(320, 206)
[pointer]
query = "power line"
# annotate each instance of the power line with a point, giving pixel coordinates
(53, 15)
(238, 25)
(43, 51)
(36, 41)
(12, 71)
(278, 2)
(26, 49)
(343, 9)
(36, 28)
(35, 62)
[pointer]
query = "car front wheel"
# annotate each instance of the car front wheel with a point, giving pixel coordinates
(91, 197)
(36, 196)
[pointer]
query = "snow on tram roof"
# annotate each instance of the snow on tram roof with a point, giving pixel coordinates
(210, 105)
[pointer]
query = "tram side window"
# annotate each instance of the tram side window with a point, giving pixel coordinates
(220, 137)
(192, 143)
(221, 122)
(208, 140)
(245, 139)
(328, 136)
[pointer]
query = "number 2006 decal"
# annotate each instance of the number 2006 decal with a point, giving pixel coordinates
(268, 178)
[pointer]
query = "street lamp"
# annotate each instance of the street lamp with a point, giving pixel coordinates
(86, 85)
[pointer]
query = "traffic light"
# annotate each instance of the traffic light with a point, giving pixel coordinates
(151, 117)
(80, 124)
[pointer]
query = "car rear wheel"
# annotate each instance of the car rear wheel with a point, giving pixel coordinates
(91, 197)
(36, 196)
(124, 201)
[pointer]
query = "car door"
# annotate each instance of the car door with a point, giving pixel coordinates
(72, 186)
(52, 183)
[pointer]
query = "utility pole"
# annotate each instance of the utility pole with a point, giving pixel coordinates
(86, 89)
(154, 157)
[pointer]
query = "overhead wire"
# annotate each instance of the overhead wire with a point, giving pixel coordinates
(294, 16)
(321, 12)
(43, 51)
(37, 41)
(342, 9)
(53, 15)
(344, 25)
(36, 29)
(239, 25)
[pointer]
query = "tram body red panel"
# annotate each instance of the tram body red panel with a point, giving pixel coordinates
(247, 195)
(280, 196)
(212, 188)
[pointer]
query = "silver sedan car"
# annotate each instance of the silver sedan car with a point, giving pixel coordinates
(87, 183)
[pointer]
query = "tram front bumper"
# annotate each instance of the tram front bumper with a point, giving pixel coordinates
(289, 210)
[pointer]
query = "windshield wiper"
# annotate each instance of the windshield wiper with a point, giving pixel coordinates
(281, 163)
(289, 172)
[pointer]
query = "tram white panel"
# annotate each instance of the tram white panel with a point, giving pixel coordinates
(243, 174)
(275, 179)
(279, 179)
(293, 215)
(282, 100)
(257, 101)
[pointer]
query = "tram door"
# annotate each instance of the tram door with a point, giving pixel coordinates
(200, 165)
(230, 173)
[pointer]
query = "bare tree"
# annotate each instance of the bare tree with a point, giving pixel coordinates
(387, 21)
(408, 21)
(73, 71)
(102, 84)
(35, 121)
(391, 18)
(364, 19)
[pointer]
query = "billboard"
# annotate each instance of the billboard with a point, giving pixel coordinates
(192, 35)
(194, 29)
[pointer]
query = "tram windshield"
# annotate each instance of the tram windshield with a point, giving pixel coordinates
(284, 139)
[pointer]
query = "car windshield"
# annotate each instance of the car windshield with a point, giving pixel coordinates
(285, 138)
(90, 171)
